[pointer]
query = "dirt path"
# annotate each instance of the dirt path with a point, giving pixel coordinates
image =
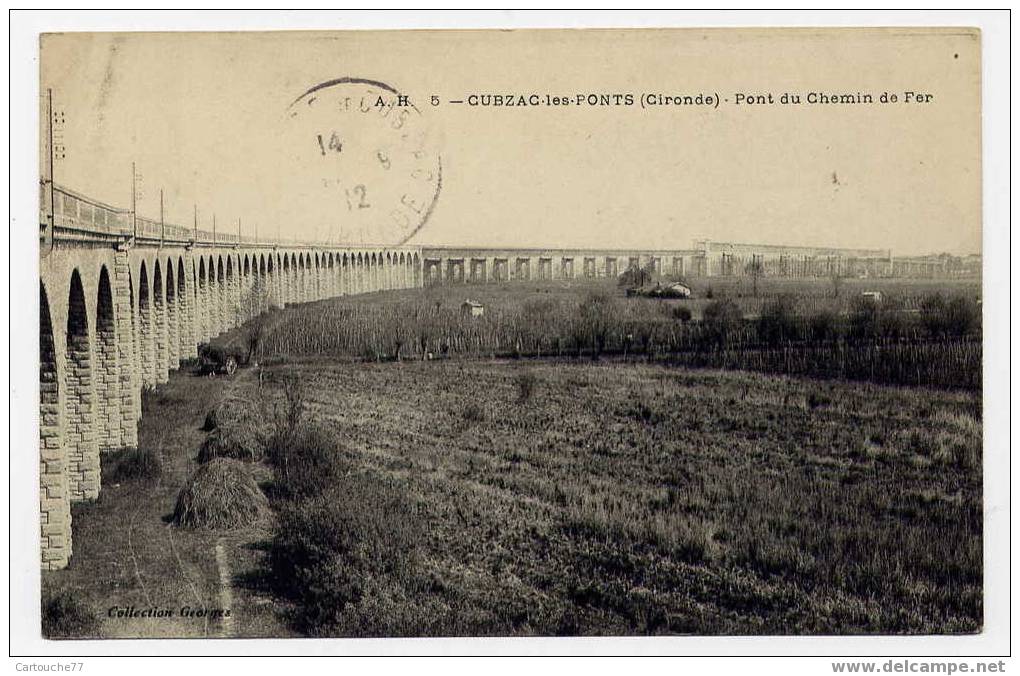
(142, 577)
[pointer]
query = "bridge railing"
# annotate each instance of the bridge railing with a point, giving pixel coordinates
(75, 211)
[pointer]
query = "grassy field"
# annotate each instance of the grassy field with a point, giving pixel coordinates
(642, 500)
(569, 496)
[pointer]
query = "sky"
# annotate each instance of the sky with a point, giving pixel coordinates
(218, 122)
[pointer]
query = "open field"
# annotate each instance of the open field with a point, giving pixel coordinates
(608, 499)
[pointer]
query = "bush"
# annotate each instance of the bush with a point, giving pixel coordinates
(682, 313)
(645, 414)
(474, 413)
(954, 317)
(824, 325)
(210, 421)
(864, 319)
(721, 319)
(778, 322)
(308, 463)
(137, 464)
(634, 277)
(335, 553)
(526, 382)
(65, 616)
(221, 494)
(595, 321)
(962, 316)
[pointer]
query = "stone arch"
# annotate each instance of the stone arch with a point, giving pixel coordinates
(308, 284)
(359, 273)
(210, 299)
(415, 271)
(147, 341)
(314, 264)
(285, 279)
(258, 266)
(185, 315)
(200, 292)
(107, 373)
(173, 340)
(230, 305)
(344, 274)
(220, 298)
(326, 275)
(245, 286)
(54, 497)
(159, 332)
(80, 389)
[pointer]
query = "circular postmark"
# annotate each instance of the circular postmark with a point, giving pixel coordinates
(366, 161)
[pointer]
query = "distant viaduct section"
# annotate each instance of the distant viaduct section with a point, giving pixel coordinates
(444, 265)
(124, 299)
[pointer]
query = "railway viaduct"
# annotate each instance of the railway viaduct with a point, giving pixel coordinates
(123, 300)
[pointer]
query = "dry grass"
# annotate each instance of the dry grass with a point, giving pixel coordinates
(740, 504)
(222, 494)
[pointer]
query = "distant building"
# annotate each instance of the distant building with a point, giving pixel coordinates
(872, 296)
(472, 308)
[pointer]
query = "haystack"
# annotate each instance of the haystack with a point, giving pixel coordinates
(221, 494)
(238, 428)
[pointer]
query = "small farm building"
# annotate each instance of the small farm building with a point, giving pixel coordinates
(472, 308)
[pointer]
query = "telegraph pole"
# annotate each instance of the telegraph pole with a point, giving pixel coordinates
(162, 225)
(134, 202)
(196, 223)
(214, 227)
(53, 199)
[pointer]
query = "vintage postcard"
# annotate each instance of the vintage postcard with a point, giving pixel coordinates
(475, 333)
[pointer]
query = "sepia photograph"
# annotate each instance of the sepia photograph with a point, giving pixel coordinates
(604, 332)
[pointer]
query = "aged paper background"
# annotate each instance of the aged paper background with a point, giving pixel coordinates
(202, 116)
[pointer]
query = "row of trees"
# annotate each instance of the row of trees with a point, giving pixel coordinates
(601, 324)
